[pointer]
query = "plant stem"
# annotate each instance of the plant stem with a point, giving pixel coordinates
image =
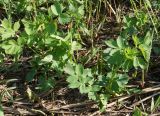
(143, 76)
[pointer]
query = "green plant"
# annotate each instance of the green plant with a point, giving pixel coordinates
(130, 49)
(7, 31)
(55, 33)
(79, 78)
(49, 44)
(138, 112)
(155, 104)
(99, 88)
(1, 110)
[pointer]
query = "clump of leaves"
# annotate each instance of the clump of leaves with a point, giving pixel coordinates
(130, 50)
(51, 32)
(7, 31)
(99, 88)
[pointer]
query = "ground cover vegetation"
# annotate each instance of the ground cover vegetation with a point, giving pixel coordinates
(79, 57)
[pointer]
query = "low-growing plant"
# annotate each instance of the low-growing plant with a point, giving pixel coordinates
(98, 87)
(155, 104)
(130, 49)
(49, 45)
(53, 33)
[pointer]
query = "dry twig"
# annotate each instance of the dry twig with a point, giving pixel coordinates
(146, 90)
(149, 97)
